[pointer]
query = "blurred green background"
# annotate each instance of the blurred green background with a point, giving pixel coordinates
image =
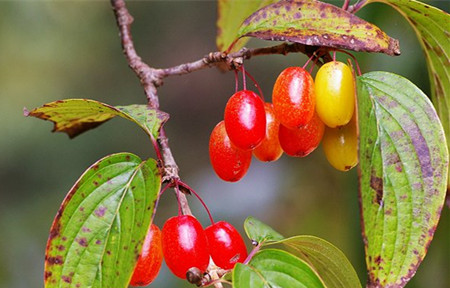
(51, 50)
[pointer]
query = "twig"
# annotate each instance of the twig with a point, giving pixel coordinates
(150, 80)
(145, 73)
(236, 59)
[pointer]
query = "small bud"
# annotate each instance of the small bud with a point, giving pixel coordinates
(194, 276)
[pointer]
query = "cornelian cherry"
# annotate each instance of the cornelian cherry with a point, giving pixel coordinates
(184, 245)
(300, 142)
(226, 245)
(335, 94)
(150, 259)
(293, 97)
(269, 149)
(245, 119)
(229, 162)
(341, 146)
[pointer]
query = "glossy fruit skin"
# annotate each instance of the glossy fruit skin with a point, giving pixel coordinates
(245, 119)
(226, 245)
(150, 259)
(300, 142)
(229, 162)
(184, 245)
(335, 94)
(293, 97)
(269, 149)
(341, 146)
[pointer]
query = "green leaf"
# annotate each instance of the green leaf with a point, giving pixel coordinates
(315, 23)
(403, 173)
(260, 232)
(327, 260)
(75, 116)
(275, 268)
(98, 231)
(231, 14)
(432, 28)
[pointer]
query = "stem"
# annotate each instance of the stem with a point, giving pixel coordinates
(178, 193)
(256, 85)
(236, 81)
(309, 60)
(353, 57)
(252, 253)
(156, 147)
(157, 200)
(355, 8)
(199, 198)
(346, 3)
(244, 81)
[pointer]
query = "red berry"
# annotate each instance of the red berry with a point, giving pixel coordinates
(226, 245)
(184, 245)
(150, 259)
(245, 119)
(269, 149)
(229, 162)
(293, 97)
(300, 142)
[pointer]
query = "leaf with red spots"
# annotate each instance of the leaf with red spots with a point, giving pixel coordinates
(75, 116)
(432, 28)
(231, 14)
(403, 175)
(98, 231)
(315, 23)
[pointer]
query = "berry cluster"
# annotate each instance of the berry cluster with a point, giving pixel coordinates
(303, 112)
(187, 248)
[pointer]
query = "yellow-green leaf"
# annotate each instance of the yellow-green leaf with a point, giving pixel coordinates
(231, 14)
(432, 27)
(315, 23)
(275, 268)
(328, 261)
(403, 174)
(75, 116)
(98, 231)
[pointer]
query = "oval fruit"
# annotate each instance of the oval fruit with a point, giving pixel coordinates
(226, 245)
(229, 162)
(150, 259)
(335, 94)
(341, 146)
(245, 119)
(269, 149)
(299, 142)
(184, 245)
(293, 97)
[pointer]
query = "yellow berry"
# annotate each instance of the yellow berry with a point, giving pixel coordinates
(335, 94)
(341, 146)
